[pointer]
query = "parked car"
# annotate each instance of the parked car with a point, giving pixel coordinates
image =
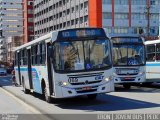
(3, 72)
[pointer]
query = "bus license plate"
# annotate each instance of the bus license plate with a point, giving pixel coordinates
(127, 78)
(87, 88)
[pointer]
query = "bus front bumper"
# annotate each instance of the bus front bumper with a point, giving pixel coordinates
(68, 92)
(130, 79)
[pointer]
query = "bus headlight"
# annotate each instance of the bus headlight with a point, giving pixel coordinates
(62, 83)
(141, 73)
(108, 78)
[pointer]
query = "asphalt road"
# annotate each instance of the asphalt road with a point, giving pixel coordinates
(145, 99)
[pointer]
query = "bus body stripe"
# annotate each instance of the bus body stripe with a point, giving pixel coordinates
(35, 78)
(153, 64)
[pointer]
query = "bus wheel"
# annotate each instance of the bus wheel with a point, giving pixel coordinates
(127, 86)
(47, 97)
(92, 96)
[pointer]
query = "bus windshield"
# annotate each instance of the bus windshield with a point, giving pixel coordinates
(82, 55)
(128, 55)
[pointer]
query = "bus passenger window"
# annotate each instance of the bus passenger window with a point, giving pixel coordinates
(158, 56)
(158, 52)
(151, 53)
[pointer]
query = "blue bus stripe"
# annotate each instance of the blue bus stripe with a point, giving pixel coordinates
(153, 64)
(36, 80)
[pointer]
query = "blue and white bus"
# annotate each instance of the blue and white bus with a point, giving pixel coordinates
(66, 63)
(153, 61)
(128, 60)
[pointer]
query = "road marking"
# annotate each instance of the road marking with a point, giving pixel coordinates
(30, 108)
(134, 101)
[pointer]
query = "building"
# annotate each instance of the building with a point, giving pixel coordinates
(117, 16)
(12, 43)
(11, 22)
(61, 14)
(28, 20)
(131, 17)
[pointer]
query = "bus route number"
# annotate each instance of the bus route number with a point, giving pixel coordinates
(73, 80)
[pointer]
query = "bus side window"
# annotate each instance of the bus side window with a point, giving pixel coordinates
(21, 57)
(24, 57)
(43, 54)
(151, 55)
(15, 59)
(158, 52)
(39, 54)
(32, 54)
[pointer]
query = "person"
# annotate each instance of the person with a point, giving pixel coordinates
(14, 78)
(154, 58)
(67, 65)
(138, 59)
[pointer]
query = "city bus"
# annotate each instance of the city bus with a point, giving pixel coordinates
(66, 63)
(153, 61)
(128, 60)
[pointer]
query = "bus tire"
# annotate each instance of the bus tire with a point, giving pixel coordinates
(92, 96)
(26, 91)
(127, 86)
(47, 97)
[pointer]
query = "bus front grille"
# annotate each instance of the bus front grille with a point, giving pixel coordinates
(83, 83)
(129, 74)
(131, 79)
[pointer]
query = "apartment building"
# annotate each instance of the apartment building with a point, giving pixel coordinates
(11, 22)
(62, 14)
(12, 43)
(28, 23)
(117, 16)
(128, 16)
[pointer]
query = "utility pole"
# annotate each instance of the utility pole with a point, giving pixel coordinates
(148, 7)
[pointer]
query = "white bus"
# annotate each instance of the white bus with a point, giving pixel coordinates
(153, 61)
(128, 60)
(66, 63)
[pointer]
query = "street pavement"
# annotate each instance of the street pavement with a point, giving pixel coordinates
(138, 99)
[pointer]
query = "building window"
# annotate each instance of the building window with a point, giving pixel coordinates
(30, 11)
(30, 19)
(139, 2)
(86, 18)
(81, 20)
(138, 16)
(121, 16)
(107, 15)
(121, 2)
(120, 30)
(152, 2)
(30, 3)
(107, 1)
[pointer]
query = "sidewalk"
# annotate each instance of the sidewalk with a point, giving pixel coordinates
(37, 102)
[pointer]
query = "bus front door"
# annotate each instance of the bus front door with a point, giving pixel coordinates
(49, 67)
(29, 68)
(19, 70)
